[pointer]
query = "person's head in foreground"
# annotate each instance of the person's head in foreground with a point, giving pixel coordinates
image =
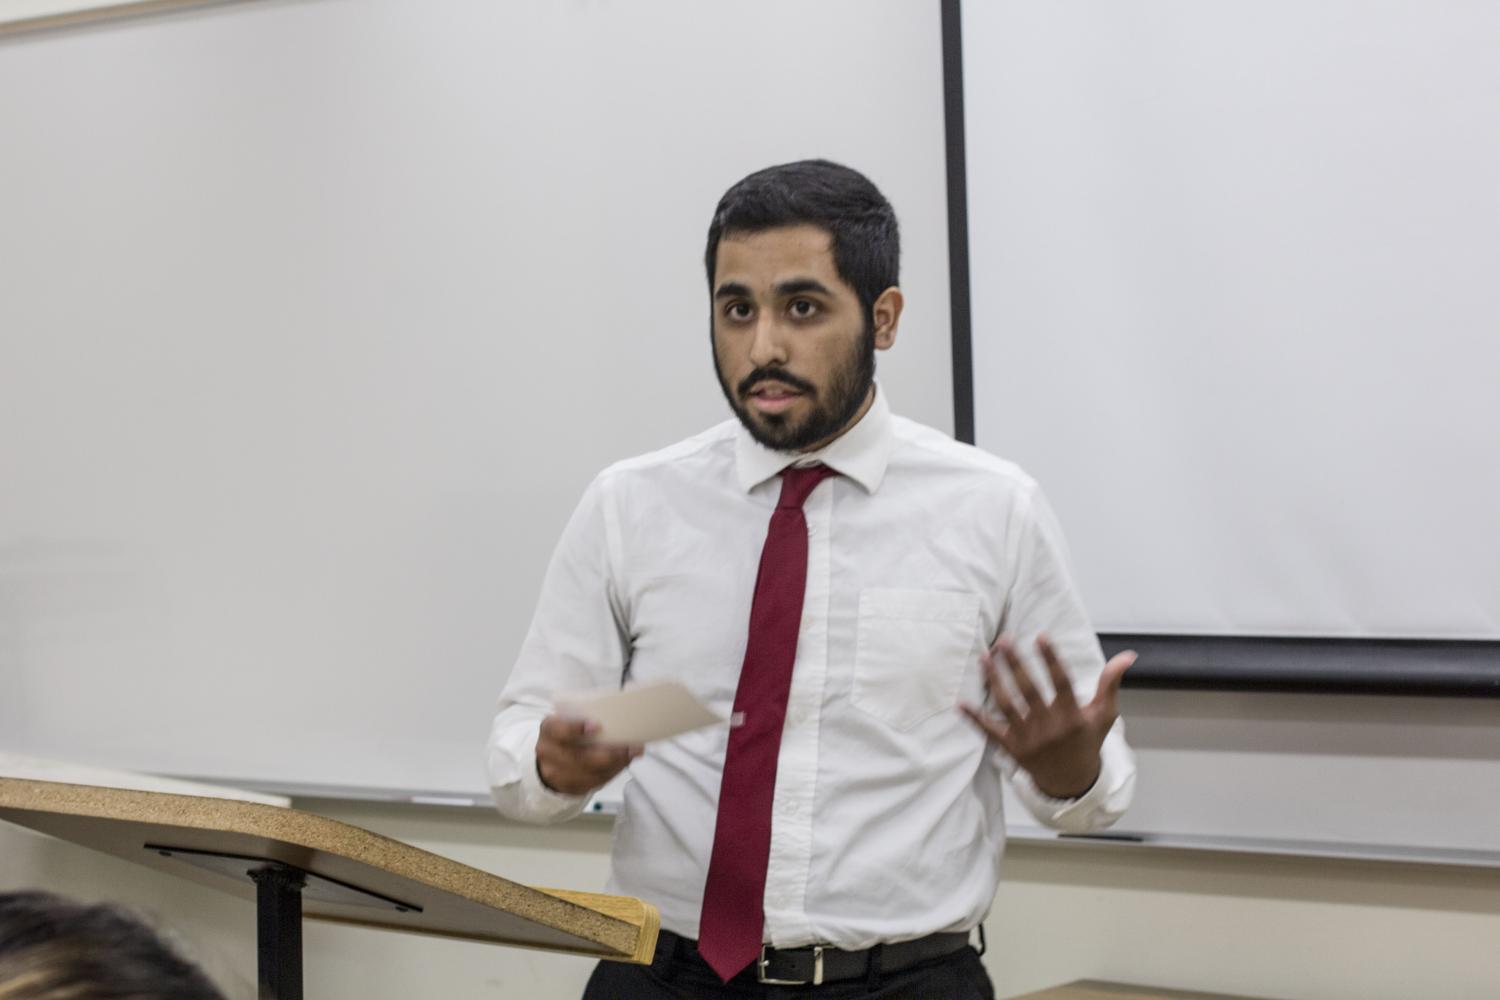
(802, 263)
(55, 949)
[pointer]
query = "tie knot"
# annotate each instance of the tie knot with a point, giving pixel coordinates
(798, 483)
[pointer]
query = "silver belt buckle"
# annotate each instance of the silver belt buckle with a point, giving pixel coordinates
(817, 979)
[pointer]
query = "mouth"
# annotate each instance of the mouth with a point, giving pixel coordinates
(773, 397)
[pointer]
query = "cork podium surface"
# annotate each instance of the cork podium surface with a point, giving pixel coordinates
(355, 876)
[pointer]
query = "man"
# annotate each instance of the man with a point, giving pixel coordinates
(850, 585)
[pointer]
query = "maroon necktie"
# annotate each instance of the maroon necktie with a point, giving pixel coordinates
(732, 921)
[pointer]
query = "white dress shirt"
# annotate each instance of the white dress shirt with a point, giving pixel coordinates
(887, 819)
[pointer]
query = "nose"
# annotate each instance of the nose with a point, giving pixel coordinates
(767, 344)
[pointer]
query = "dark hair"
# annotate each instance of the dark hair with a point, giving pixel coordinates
(51, 947)
(857, 217)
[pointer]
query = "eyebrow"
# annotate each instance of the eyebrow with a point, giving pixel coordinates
(732, 290)
(796, 286)
(792, 286)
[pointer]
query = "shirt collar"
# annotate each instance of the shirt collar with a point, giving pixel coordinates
(861, 453)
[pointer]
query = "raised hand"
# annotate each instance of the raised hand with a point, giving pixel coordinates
(1057, 742)
(570, 760)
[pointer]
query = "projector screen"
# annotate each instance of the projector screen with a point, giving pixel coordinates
(1234, 305)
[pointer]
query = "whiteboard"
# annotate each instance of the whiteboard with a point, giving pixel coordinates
(1234, 304)
(318, 316)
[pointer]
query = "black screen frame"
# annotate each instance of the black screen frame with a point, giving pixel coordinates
(1335, 665)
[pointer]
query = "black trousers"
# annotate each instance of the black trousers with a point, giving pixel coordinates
(959, 976)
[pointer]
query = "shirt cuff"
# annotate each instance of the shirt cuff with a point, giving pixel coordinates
(1096, 808)
(515, 784)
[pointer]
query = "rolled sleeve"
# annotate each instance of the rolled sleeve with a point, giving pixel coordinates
(577, 642)
(1044, 599)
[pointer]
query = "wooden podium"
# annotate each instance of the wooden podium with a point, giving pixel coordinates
(296, 864)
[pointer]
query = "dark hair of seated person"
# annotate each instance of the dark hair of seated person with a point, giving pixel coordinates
(55, 949)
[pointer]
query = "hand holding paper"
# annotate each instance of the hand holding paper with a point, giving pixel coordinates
(594, 735)
(640, 714)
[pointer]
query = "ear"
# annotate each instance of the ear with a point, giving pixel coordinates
(887, 314)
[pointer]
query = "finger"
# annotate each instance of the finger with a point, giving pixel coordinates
(566, 730)
(1022, 677)
(605, 757)
(991, 676)
(1062, 684)
(988, 724)
(998, 695)
(627, 752)
(1107, 698)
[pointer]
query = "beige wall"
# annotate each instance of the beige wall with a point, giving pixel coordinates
(1291, 928)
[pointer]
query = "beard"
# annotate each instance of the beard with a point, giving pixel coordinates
(832, 407)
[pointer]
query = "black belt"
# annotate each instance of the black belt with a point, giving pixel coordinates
(817, 964)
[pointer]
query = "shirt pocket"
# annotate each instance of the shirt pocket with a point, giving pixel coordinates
(912, 651)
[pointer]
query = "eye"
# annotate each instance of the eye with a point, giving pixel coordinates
(804, 308)
(737, 310)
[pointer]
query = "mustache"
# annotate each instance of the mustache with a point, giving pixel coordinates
(787, 379)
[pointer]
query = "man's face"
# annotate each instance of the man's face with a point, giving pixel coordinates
(794, 349)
